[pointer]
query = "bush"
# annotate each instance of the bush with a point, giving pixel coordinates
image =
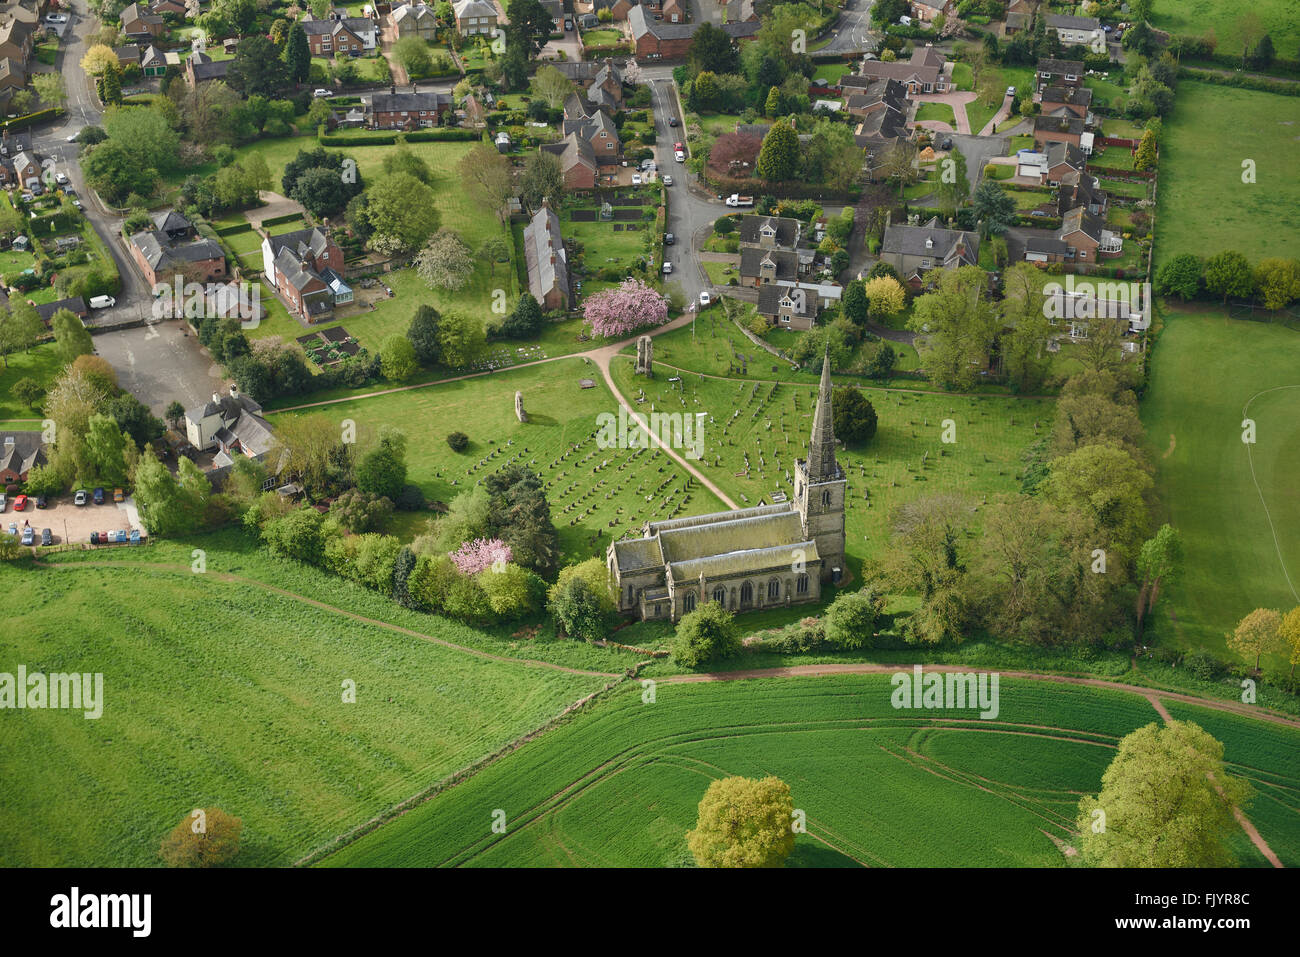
(1204, 665)
(458, 441)
(851, 619)
(707, 634)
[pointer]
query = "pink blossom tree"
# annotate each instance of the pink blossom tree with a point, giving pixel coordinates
(621, 311)
(479, 554)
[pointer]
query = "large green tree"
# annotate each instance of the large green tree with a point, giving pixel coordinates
(1229, 274)
(707, 634)
(744, 822)
(297, 55)
(778, 160)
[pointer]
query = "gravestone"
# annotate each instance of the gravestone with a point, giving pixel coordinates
(520, 414)
(645, 356)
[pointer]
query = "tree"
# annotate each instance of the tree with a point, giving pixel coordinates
(382, 470)
(174, 413)
(542, 179)
(885, 296)
(493, 250)
(1228, 273)
(994, 208)
(402, 209)
(712, 49)
(630, 306)
(71, 336)
(525, 320)
(322, 191)
(581, 601)
(49, 87)
(319, 114)
(1166, 801)
(99, 59)
(922, 556)
(445, 261)
(204, 838)
(423, 335)
(1289, 632)
(397, 358)
(1278, 281)
(1160, 563)
(1257, 634)
(898, 163)
(954, 187)
(461, 338)
(855, 304)
(960, 326)
(105, 446)
(1146, 152)
(146, 134)
(27, 391)
(297, 55)
(413, 54)
(1140, 10)
(853, 415)
(743, 822)
(707, 634)
(704, 92)
(552, 87)
(257, 67)
(779, 158)
(488, 176)
(20, 329)
(851, 619)
(1262, 57)
(1110, 487)
(1180, 276)
(457, 441)
(110, 87)
(164, 506)
(530, 26)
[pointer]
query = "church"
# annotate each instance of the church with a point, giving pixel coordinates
(746, 559)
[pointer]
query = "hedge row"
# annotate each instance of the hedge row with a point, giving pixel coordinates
(22, 122)
(388, 139)
(275, 221)
(1242, 81)
(232, 230)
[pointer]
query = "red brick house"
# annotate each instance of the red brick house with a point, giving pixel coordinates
(577, 161)
(20, 452)
(407, 111)
(1057, 129)
(1059, 73)
(161, 259)
(1061, 101)
(306, 268)
(662, 40)
(335, 37)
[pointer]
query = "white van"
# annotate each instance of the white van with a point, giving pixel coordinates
(102, 302)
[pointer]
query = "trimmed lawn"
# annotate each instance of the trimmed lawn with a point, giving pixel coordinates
(40, 363)
(963, 76)
(1204, 207)
(1224, 17)
(832, 71)
(941, 112)
(979, 112)
(1218, 492)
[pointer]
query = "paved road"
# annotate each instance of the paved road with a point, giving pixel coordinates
(978, 150)
(853, 32)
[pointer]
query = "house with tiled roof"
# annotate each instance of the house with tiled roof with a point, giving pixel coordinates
(546, 260)
(1058, 129)
(13, 77)
(138, 23)
(1066, 101)
(413, 20)
(578, 162)
(787, 307)
(926, 71)
(770, 232)
(161, 260)
(339, 35)
(593, 124)
(915, 250)
(305, 267)
(201, 68)
(233, 425)
(1086, 193)
(1052, 72)
(665, 40)
(1072, 30)
(408, 110)
(20, 452)
(741, 558)
(474, 17)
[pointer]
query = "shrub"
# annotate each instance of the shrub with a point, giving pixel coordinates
(707, 634)
(458, 441)
(1204, 665)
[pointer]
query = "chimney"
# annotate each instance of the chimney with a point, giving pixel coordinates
(216, 397)
(306, 264)
(234, 391)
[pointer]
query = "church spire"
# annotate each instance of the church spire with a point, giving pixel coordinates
(821, 450)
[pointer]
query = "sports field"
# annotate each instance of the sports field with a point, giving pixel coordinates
(1204, 206)
(1236, 504)
(224, 691)
(880, 787)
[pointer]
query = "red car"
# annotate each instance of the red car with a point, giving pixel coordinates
(20, 503)
(678, 146)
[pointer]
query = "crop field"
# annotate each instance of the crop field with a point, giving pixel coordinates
(618, 786)
(594, 493)
(1204, 205)
(1235, 504)
(220, 691)
(754, 431)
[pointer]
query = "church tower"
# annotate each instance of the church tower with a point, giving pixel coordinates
(820, 485)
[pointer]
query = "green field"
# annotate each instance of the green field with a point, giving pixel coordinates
(587, 491)
(618, 786)
(1224, 18)
(1206, 370)
(1204, 207)
(221, 692)
(41, 363)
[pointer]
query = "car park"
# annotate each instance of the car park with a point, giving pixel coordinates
(80, 497)
(20, 503)
(99, 496)
(47, 537)
(29, 535)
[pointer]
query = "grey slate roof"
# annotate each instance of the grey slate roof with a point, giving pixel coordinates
(787, 229)
(770, 296)
(572, 150)
(21, 451)
(786, 261)
(75, 305)
(1061, 21)
(311, 240)
(158, 250)
(1059, 124)
(291, 267)
(542, 243)
(1061, 67)
(409, 102)
(911, 241)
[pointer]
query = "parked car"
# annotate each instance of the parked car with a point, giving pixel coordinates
(320, 92)
(668, 267)
(56, 18)
(120, 536)
(636, 179)
(80, 497)
(29, 535)
(705, 298)
(1011, 91)
(102, 302)
(1037, 212)
(668, 180)
(13, 528)
(94, 538)
(73, 137)
(669, 239)
(61, 179)
(118, 496)
(672, 121)
(99, 496)
(40, 501)
(680, 156)
(20, 503)
(77, 203)
(4, 502)
(135, 536)
(47, 537)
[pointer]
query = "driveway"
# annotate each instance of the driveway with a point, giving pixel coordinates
(957, 100)
(978, 150)
(161, 362)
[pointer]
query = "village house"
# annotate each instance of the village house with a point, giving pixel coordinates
(1058, 129)
(201, 68)
(1061, 101)
(20, 452)
(927, 10)
(1073, 30)
(1020, 16)
(1059, 73)
(915, 250)
(787, 307)
(153, 61)
(160, 7)
(233, 425)
(578, 161)
(407, 111)
(474, 17)
(140, 25)
(741, 558)
(413, 20)
(664, 40)
(12, 76)
(76, 305)
(15, 39)
(161, 259)
(1059, 164)
(925, 72)
(599, 80)
(546, 259)
(593, 124)
(306, 268)
(739, 11)
(339, 36)
(1086, 193)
